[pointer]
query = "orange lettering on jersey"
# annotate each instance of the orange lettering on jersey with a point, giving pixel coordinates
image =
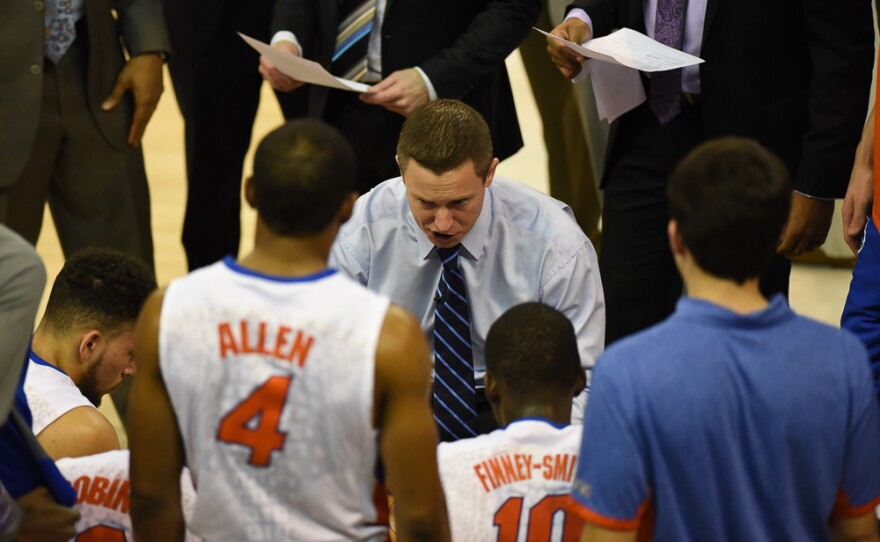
(524, 466)
(111, 493)
(547, 467)
(98, 491)
(281, 342)
(121, 500)
(245, 343)
(295, 351)
(503, 470)
(262, 340)
(560, 467)
(509, 471)
(81, 485)
(227, 340)
(478, 468)
(300, 348)
(497, 471)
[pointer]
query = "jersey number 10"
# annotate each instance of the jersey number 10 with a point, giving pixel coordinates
(539, 524)
(264, 437)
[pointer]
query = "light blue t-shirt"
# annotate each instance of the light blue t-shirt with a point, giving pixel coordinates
(730, 427)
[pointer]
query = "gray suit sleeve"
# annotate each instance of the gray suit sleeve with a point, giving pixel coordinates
(22, 278)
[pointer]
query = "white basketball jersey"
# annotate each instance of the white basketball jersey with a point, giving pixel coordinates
(271, 380)
(103, 493)
(513, 484)
(50, 393)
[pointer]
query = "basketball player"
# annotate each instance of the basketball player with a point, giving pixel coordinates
(103, 496)
(83, 349)
(513, 484)
(284, 386)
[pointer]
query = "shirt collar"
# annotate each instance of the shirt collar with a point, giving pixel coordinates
(40, 361)
(472, 242)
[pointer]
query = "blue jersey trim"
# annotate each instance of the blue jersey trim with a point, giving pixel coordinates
(234, 266)
(539, 419)
(40, 361)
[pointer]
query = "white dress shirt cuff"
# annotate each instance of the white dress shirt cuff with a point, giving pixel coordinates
(284, 35)
(432, 94)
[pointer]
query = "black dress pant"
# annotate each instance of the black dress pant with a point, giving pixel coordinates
(639, 277)
(218, 90)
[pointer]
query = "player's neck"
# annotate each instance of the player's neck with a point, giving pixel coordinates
(742, 298)
(288, 256)
(557, 413)
(54, 350)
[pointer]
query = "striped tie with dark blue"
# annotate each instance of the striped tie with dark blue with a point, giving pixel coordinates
(454, 393)
(349, 59)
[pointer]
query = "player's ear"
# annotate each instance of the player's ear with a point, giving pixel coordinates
(580, 383)
(89, 345)
(249, 192)
(347, 207)
(492, 392)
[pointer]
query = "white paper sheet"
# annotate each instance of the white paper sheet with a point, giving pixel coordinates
(302, 69)
(614, 62)
(632, 49)
(618, 89)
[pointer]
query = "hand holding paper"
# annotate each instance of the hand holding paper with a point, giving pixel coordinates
(568, 60)
(273, 75)
(613, 63)
(299, 69)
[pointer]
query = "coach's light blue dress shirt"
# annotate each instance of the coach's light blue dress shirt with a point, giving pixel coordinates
(525, 246)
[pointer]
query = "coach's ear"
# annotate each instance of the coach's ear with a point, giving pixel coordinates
(249, 192)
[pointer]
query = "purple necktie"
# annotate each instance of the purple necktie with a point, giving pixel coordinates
(665, 90)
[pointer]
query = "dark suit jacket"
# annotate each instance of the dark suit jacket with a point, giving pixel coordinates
(21, 70)
(793, 74)
(459, 44)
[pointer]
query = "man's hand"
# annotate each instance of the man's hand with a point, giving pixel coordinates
(857, 205)
(400, 92)
(568, 62)
(860, 192)
(807, 225)
(142, 75)
(44, 520)
(270, 73)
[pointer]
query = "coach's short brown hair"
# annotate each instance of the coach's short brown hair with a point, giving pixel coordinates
(442, 135)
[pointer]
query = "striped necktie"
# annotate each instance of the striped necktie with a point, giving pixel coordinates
(59, 28)
(352, 38)
(454, 392)
(665, 90)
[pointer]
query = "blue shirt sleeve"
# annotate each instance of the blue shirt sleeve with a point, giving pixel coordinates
(612, 485)
(860, 487)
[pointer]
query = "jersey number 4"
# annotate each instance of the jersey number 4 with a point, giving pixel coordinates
(539, 525)
(253, 423)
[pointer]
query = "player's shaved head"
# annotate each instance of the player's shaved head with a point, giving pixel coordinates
(532, 348)
(303, 171)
